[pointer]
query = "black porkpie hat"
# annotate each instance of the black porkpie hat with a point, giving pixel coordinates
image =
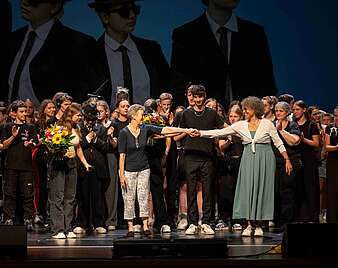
(108, 3)
(90, 112)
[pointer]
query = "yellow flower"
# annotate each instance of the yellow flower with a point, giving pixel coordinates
(64, 133)
(56, 139)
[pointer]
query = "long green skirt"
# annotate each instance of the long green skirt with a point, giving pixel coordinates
(254, 196)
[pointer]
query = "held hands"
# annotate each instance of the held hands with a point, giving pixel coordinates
(193, 132)
(91, 136)
(110, 131)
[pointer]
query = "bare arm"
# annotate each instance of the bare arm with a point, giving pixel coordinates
(82, 158)
(291, 139)
(173, 130)
(315, 142)
(328, 146)
(123, 180)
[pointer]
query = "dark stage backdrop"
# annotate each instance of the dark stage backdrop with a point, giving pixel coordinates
(303, 37)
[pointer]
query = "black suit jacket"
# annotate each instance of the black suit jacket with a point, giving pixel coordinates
(62, 64)
(153, 58)
(5, 30)
(197, 58)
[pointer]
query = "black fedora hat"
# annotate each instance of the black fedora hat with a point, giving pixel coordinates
(104, 3)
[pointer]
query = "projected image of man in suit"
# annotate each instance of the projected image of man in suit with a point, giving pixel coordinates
(46, 57)
(228, 55)
(124, 59)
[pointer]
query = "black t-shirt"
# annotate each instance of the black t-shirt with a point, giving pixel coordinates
(118, 126)
(309, 128)
(332, 131)
(136, 148)
(293, 151)
(205, 120)
(19, 157)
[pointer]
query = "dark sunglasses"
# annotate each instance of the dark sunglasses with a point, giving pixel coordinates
(124, 12)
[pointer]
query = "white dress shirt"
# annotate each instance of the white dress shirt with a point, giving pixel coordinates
(231, 26)
(26, 90)
(265, 132)
(139, 72)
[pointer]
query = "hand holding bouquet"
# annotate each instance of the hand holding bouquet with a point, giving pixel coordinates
(58, 140)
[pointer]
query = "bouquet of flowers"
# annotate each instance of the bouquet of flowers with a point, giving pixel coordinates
(153, 119)
(57, 139)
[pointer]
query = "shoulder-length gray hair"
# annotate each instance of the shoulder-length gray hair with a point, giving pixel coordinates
(284, 106)
(255, 104)
(132, 111)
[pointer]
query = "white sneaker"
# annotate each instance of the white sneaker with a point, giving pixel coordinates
(137, 228)
(111, 228)
(100, 230)
(258, 231)
(206, 229)
(59, 235)
(237, 227)
(193, 229)
(71, 235)
(79, 230)
(183, 224)
(247, 231)
(165, 229)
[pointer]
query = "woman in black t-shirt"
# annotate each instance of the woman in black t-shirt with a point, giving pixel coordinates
(286, 185)
(134, 166)
(331, 146)
(308, 187)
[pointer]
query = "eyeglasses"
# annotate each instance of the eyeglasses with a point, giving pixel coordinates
(124, 12)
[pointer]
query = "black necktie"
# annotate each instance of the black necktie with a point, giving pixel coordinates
(223, 42)
(127, 79)
(27, 50)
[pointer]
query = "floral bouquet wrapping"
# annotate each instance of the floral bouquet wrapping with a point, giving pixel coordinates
(58, 140)
(153, 119)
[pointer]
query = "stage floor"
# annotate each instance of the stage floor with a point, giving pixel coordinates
(93, 246)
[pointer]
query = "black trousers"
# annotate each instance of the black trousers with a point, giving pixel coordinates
(61, 196)
(332, 189)
(226, 187)
(172, 186)
(91, 201)
(199, 168)
(22, 181)
(157, 193)
(308, 191)
(43, 190)
(285, 191)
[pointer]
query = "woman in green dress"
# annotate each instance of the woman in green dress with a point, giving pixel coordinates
(254, 196)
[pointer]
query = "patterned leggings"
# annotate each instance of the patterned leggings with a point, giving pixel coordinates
(137, 183)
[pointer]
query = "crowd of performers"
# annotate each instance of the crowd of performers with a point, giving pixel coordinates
(256, 163)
